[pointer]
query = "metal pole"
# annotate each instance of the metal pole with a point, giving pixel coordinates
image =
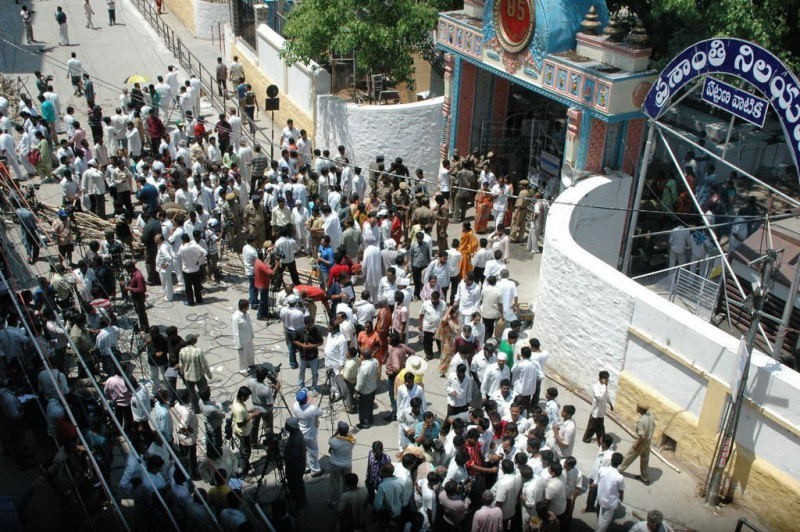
(631, 231)
(788, 308)
(723, 451)
(272, 137)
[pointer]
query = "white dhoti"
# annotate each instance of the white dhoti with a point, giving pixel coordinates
(166, 284)
(247, 355)
(372, 270)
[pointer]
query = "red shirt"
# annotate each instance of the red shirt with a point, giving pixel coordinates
(314, 293)
(333, 274)
(263, 275)
(137, 285)
(199, 130)
(155, 127)
(475, 458)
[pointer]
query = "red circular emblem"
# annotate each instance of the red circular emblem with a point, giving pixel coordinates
(514, 20)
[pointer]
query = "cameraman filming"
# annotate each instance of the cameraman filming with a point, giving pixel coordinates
(114, 249)
(263, 273)
(263, 399)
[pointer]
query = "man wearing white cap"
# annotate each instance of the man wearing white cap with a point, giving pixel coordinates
(308, 415)
(494, 374)
(408, 388)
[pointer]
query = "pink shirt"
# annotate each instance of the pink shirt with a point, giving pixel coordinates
(399, 317)
(117, 391)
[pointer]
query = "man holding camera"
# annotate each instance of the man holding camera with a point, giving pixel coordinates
(137, 289)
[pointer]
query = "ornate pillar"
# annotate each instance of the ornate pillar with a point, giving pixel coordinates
(574, 119)
(444, 147)
(466, 106)
(596, 147)
(632, 145)
(502, 91)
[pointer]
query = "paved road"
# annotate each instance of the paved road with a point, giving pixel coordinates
(112, 53)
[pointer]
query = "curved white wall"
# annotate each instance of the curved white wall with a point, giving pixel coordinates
(410, 131)
(586, 308)
(208, 16)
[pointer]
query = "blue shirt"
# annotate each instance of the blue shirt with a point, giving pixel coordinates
(149, 195)
(48, 111)
(391, 496)
(325, 253)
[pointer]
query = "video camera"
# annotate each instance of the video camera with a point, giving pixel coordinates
(272, 371)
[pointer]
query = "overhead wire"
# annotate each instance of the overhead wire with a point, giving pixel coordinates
(68, 410)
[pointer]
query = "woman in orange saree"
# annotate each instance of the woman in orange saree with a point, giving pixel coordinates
(468, 246)
(483, 208)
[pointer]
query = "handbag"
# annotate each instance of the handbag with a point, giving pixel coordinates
(34, 156)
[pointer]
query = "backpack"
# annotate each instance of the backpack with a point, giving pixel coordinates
(34, 156)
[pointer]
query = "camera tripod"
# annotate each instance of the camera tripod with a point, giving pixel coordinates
(333, 387)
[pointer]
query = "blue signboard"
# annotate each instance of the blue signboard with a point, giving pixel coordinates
(735, 101)
(743, 59)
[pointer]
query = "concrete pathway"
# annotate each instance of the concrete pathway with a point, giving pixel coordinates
(110, 54)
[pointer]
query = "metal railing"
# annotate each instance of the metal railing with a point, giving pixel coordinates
(691, 285)
(193, 65)
(185, 57)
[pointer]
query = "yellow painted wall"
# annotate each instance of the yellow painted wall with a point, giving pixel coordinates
(184, 10)
(260, 82)
(769, 492)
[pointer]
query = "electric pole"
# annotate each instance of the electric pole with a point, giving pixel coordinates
(733, 407)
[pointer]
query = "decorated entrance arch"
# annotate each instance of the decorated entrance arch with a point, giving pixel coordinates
(692, 70)
(744, 60)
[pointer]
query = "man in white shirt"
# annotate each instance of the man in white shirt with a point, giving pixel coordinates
(192, 256)
(525, 376)
(366, 384)
(500, 191)
(468, 298)
(243, 336)
(307, 416)
(565, 433)
(459, 388)
(335, 349)
(508, 289)
(289, 132)
(494, 375)
(249, 256)
(610, 492)
(443, 179)
(555, 490)
(75, 73)
(293, 322)
(506, 490)
(600, 400)
(331, 226)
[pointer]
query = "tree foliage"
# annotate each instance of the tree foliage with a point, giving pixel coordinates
(672, 25)
(382, 35)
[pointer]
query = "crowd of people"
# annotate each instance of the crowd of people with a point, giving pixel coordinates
(495, 454)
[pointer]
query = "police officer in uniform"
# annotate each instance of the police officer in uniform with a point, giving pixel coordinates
(232, 222)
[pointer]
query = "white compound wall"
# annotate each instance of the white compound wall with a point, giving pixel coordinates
(209, 17)
(591, 317)
(410, 131)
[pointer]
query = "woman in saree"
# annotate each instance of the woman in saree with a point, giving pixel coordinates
(447, 331)
(468, 247)
(44, 167)
(483, 208)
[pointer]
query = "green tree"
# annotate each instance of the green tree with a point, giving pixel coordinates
(382, 35)
(672, 25)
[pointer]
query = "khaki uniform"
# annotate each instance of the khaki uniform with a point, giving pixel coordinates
(315, 225)
(422, 215)
(256, 225)
(464, 192)
(641, 447)
(233, 225)
(520, 215)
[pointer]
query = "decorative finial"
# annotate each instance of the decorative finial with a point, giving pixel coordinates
(591, 22)
(638, 35)
(614, 31)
